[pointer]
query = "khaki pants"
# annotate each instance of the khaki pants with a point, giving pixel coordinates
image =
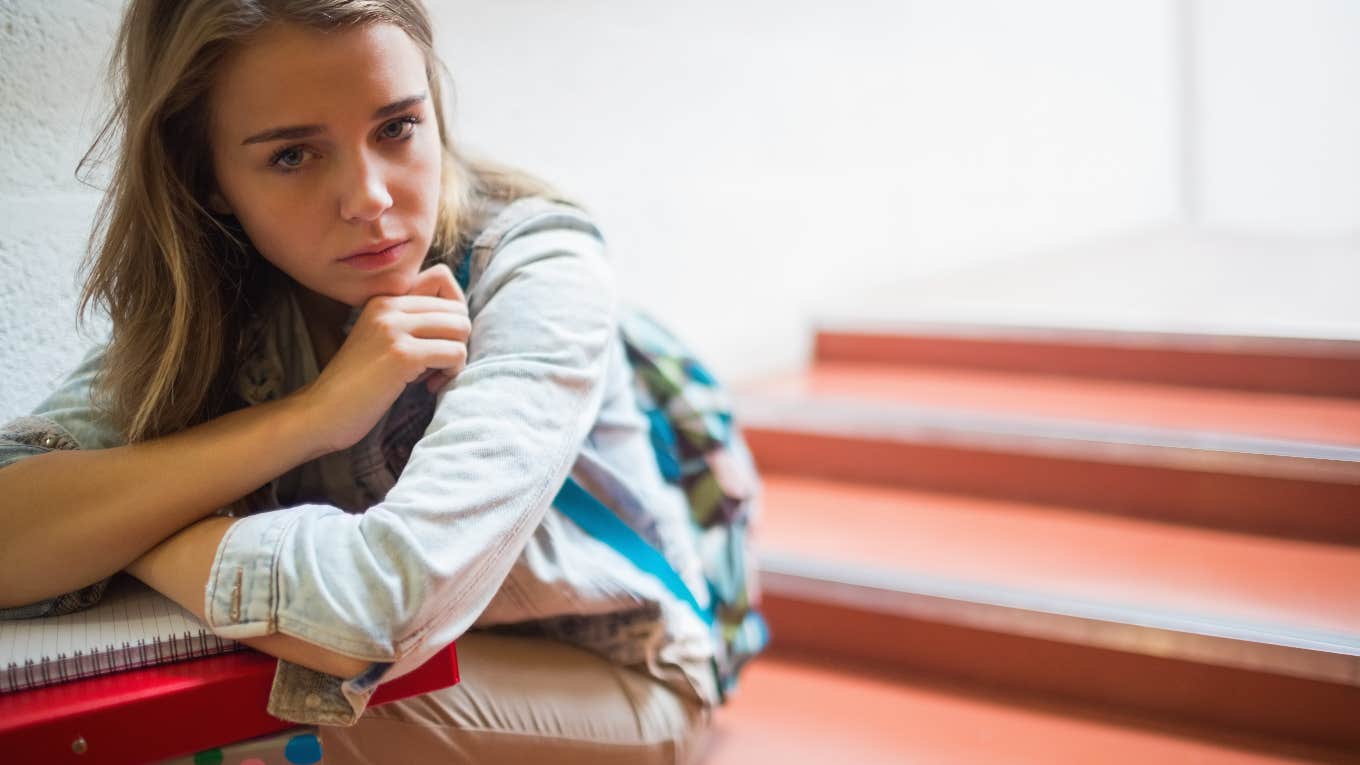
(528, 700)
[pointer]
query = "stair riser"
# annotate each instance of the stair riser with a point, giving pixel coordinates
(1268, 367)
(1309, 712)
(1283, 507)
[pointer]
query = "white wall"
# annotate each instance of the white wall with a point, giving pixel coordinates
(750, 160)
(1278, 115)
(51, 58)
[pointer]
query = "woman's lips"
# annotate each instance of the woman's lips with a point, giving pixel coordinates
(375, 260)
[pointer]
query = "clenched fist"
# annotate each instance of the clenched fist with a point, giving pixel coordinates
(397, 340)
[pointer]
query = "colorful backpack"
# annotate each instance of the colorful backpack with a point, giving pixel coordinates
(699, 448)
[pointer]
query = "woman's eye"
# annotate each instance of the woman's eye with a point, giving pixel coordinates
(288, 159)
(397, 128)
(291, 158)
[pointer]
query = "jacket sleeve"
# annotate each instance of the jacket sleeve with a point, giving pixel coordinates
(427, 560)
(67, 419)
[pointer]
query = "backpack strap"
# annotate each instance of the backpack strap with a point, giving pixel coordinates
(600, 522)
(463, 274)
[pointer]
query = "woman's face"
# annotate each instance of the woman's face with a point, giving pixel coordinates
(325, 145)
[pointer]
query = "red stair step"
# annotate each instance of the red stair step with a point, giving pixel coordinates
(1224, 629)
(1294, 417)
(798, 713)
(1284, 488)
(1233, 702)
(1293, 365)
(1065, 552)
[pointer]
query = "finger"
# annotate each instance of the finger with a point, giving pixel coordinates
(437, 280)
(439, 355)
(427, 304)
(438, 380)
(435, 325)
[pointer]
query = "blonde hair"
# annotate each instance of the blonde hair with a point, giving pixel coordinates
(177, 280)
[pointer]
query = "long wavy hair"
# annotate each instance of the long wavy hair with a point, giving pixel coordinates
(178, 281)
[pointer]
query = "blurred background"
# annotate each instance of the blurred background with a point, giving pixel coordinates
(1042, 317)
(1168, 165)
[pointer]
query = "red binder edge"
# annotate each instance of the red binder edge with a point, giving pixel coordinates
(168, 710)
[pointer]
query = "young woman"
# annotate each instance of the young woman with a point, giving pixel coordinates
(304, 432)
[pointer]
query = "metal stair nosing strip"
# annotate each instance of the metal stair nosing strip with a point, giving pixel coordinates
(1096, 338)
(1118, 336)
(1302, 653)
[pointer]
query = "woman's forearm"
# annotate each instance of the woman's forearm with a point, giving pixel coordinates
(179, 567)
(70, 518)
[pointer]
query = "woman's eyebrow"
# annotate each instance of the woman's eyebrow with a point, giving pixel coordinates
(295, 132)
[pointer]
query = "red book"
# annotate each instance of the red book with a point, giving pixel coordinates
(166, 710)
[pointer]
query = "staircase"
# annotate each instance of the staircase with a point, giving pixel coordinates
(985, 544)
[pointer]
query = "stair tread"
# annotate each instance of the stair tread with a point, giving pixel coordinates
(792, 712)
(1066, 553)
(1316, 419)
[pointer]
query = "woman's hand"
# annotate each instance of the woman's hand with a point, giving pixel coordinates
(397, 340)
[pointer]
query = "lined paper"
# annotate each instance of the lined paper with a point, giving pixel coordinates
(131, 626)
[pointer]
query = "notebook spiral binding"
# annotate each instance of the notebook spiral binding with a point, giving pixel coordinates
(81, 664)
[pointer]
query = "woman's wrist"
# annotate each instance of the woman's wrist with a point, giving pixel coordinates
(305, 423)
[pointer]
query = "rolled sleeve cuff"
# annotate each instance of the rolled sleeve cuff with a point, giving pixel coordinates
(309, 697)
(242, 597)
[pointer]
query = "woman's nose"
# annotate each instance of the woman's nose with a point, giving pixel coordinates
(364, 195)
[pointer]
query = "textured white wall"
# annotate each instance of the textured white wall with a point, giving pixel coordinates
(52, 54)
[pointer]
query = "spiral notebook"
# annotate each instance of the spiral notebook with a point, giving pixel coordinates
(131, 626)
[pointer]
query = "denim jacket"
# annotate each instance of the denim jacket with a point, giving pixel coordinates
(440, 519)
